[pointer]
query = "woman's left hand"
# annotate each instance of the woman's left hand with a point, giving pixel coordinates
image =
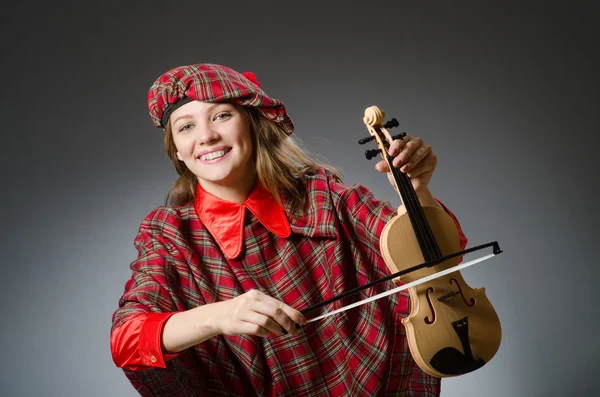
(413, 157)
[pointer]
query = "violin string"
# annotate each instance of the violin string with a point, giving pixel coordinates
(433, 248)
(426, 240)
(413, 205)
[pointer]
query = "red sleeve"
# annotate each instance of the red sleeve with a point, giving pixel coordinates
(136, 344)
(461, 235)
(149, 298)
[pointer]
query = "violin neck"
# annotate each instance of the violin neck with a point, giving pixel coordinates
(423, 232)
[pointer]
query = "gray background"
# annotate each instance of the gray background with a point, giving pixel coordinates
(505, 92)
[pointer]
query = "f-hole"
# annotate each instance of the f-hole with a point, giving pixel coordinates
(431, 320)
(471, 301)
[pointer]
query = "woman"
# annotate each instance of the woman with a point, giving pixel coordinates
(253, 232)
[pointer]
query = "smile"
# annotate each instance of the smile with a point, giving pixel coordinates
(214, 155)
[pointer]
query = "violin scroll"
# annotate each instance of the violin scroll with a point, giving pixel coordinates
(373, 116)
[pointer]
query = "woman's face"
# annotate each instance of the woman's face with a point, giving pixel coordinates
(214, 142)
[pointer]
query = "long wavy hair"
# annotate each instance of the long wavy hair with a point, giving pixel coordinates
(281, 164)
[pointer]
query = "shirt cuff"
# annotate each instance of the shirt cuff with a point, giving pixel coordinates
(151, 353)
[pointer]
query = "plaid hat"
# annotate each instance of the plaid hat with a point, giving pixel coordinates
(211, 83)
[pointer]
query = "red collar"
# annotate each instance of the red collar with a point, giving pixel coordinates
(225, 219)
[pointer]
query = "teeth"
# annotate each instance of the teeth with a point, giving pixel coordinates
(213, 155)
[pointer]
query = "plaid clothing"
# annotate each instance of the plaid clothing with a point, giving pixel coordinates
(334, 247)
(212, 83)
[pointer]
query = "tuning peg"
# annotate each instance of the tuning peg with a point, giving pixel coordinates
(369, 154)
(391, 124)
(399, 136)
(365, 140)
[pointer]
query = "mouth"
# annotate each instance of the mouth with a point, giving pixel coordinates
(214, 156)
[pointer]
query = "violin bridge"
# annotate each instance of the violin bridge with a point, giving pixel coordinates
(448, 295)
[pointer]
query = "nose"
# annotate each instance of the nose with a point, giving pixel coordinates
(207, 134)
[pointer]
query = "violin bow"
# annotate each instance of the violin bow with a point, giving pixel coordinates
(354, 291)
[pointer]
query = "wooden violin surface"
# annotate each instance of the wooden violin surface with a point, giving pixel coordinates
(452, 329)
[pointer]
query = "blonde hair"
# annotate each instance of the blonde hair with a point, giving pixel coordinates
(280, 161)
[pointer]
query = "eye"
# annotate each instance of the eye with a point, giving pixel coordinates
(186, 127)
(222, 116)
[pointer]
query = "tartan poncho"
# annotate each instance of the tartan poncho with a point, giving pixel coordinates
(332, 248)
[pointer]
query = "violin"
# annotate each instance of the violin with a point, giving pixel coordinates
(452, 329)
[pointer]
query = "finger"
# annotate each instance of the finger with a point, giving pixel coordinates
(284, 315)
(397, 145)
(251, 328)
(407, 151)
(288, 312)
(277, 305)
(292, 313)
(427, 165)
(382, 166)
(263, 322)
(418, 155)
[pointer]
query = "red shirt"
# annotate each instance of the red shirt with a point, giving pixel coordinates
(214, 250)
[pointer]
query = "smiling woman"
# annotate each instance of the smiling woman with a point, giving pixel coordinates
(252, 232)
(213, 141)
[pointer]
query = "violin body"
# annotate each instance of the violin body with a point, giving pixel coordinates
(452, 329)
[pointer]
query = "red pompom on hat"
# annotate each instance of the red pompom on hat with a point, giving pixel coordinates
(212, 83)
(252, 77)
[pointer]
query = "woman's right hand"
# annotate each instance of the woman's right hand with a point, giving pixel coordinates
(256, 313)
